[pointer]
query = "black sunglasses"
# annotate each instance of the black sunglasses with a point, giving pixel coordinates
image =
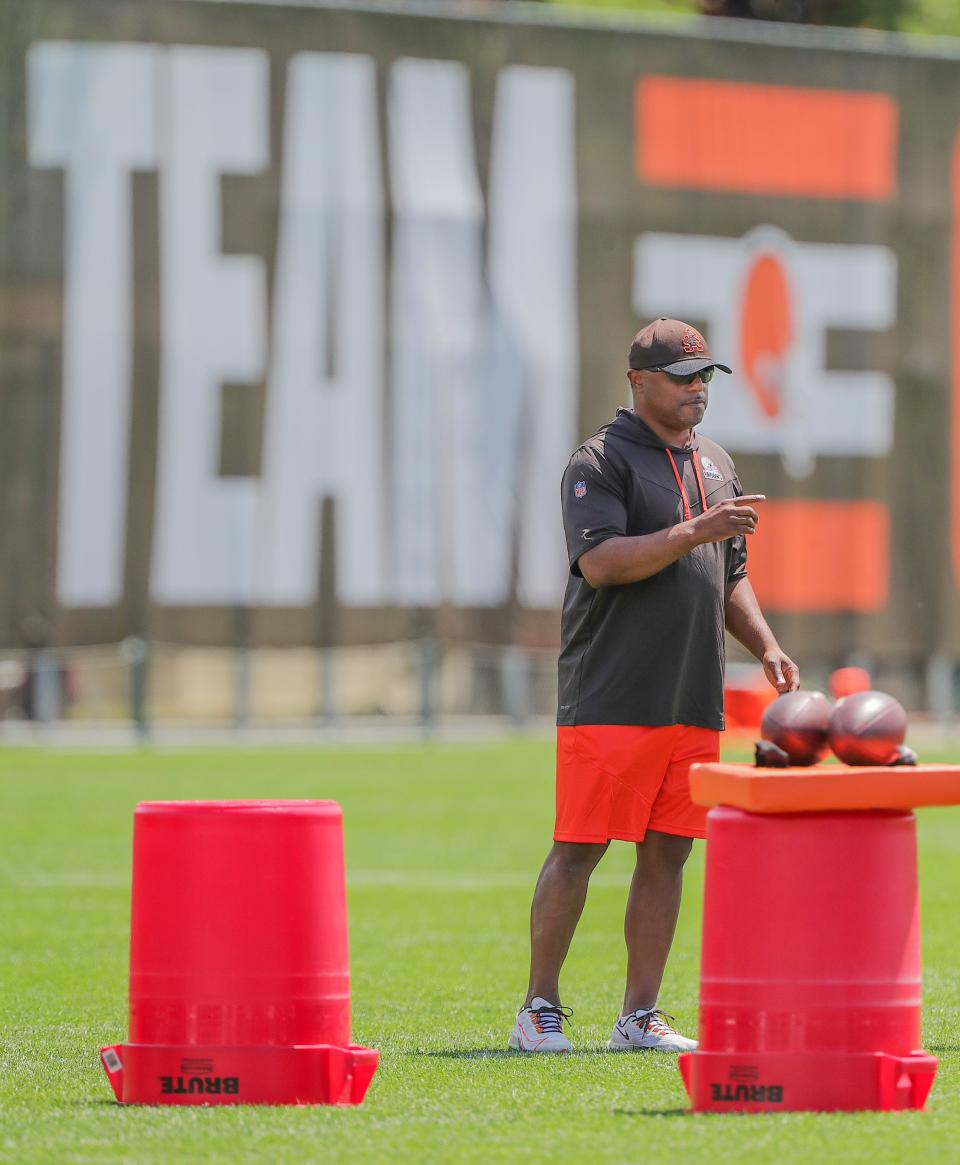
(705, 375)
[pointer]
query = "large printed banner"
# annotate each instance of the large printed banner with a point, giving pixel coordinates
(302, 311)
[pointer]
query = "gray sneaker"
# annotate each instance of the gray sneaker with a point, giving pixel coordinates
(648, 1029)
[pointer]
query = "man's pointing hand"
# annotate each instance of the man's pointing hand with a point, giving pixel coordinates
(727, 519)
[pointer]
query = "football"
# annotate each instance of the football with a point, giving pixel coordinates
(798, 722)
(867, 729)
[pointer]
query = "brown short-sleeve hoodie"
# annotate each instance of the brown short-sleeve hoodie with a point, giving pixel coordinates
(650, 652)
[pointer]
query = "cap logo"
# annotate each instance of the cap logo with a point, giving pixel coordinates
(692, 342)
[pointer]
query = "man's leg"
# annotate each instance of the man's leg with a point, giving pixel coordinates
(557, 905)
(654, 900)
(651, 916)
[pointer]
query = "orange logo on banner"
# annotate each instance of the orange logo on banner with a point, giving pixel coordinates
(766, 139)
(788, 142)
(766, 331)
(821, 556)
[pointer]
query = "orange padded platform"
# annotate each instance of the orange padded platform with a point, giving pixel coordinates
(810, 790)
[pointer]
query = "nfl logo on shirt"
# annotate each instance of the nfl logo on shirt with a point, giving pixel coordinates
(580, 489)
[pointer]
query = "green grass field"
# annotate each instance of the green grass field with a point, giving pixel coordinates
(443, 846)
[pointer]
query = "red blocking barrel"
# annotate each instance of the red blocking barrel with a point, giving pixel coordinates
(239, 964)
(810, 979)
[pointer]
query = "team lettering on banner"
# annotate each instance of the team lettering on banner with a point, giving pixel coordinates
(436, 408)
(442, 453)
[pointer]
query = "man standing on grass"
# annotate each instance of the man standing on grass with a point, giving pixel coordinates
(655, 522)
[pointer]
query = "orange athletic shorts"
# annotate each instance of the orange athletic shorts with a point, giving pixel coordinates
(615, 781)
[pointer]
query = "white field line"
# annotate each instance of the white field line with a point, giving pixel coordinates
(70, 879)
(466, 883)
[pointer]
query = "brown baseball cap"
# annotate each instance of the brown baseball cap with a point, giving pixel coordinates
(673, 346)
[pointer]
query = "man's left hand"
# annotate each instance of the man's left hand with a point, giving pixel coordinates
(781, 671)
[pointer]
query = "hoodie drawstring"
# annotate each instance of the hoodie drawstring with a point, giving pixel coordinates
(683, 492)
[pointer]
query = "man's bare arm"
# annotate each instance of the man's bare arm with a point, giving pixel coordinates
(626, 560)
(745, 622)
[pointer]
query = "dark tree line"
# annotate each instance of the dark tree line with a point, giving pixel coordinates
(874, 13)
